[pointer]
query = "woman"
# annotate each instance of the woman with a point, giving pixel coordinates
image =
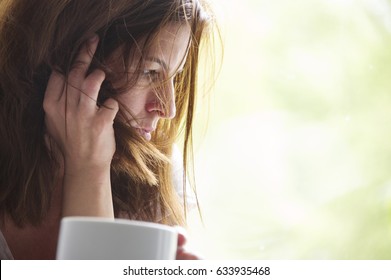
(93, 95)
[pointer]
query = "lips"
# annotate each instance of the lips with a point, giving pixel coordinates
(145, 132)
(144, 129)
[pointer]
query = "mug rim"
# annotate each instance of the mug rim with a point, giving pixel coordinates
(119, 221)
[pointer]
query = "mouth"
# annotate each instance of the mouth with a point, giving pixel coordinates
(145, 133)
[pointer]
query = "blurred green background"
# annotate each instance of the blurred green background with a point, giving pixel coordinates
(296, 160)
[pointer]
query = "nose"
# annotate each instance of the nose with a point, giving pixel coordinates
(165, 103)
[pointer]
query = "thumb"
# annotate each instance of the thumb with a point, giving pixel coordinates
(182, 236)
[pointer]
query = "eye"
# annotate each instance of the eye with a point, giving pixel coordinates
(149, 72)
(153, 75)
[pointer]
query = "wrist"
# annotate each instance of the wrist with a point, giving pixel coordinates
(87, 192)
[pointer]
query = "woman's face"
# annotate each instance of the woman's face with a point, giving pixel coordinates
(153, 97)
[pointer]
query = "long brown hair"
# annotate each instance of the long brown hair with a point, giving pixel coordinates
(37, 36)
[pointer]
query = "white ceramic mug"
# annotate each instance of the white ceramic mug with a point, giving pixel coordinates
(88, 238)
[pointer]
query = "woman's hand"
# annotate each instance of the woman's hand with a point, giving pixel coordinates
(84, 134)
(182, 253)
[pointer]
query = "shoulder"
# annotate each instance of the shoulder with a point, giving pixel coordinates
(5, 253)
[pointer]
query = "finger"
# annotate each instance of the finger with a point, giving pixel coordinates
(181, 240)
(53, 99)
(109, 110)
(79, 70)
(90, 90)
(83, 61)
(54, 89)
(182, 236)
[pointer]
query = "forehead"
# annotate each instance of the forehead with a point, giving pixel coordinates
(173, 33)
(170, 44)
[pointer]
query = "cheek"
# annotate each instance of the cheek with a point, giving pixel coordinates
(134, 100)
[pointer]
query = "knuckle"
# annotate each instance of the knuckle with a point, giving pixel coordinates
(80, 64)
(78, 70)
(112, 103)
(90, 89)
(48, 107)
(99, 73)
(94, 80)
(90, 85)
(111, 107)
